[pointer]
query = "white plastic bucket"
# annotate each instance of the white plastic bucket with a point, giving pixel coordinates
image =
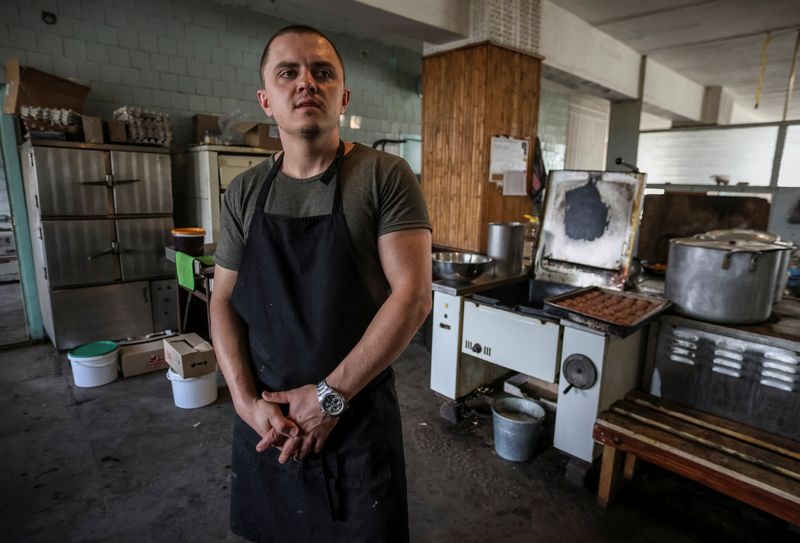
(193, 391)
(93, 371)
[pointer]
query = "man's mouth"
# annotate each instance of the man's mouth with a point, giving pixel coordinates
(306, 103)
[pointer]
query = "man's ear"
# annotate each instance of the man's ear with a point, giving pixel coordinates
(263, 101)
(345, 101)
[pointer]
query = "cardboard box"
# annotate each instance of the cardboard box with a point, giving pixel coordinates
(117, 132)
(31, 87)
(142, 357)
(189, 355)
(92, 129)
(263, 135)
(201, 124)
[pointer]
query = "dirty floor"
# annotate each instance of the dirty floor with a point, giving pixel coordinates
(121, 463)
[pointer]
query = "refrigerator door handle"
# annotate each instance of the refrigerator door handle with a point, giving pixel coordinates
(116, 182)
(114, 249)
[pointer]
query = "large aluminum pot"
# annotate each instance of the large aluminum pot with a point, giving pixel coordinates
(505, 246)
(722, 281)
(786, 248)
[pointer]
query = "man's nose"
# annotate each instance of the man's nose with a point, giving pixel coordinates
(307, 83)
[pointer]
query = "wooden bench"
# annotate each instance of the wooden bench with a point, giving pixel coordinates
(753, 466)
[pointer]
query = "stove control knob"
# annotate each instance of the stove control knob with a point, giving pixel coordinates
(476, 348)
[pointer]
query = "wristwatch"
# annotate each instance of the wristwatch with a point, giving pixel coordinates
(331, 402)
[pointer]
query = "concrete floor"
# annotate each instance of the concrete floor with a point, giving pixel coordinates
(121, 463)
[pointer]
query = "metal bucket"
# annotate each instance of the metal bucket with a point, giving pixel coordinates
(504, 245)
(517, 424)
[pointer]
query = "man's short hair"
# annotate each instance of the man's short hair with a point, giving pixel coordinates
(296, 29)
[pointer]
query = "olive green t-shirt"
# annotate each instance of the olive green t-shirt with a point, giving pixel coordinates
(380, 194)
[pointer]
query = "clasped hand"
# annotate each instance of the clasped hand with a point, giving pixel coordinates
(303, 430)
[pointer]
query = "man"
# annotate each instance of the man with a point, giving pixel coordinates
(322, 278)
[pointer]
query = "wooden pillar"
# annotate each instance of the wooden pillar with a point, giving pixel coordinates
(470, 95)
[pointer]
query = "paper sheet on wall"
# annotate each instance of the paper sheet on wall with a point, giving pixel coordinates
(508, 165)
(514, 184)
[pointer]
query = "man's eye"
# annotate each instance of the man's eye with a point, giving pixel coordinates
(324, 74)
(287, 74)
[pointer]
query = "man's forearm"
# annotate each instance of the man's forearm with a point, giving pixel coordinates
(230, 344)
(388, 334)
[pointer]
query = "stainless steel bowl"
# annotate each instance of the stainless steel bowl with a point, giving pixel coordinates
(462, 267)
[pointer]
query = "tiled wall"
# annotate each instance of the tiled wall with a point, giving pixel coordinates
(185, 57)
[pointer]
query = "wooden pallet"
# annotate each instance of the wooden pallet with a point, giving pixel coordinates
(748, 464)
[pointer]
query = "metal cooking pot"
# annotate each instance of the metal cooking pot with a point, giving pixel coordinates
(786, 248)
(722, 281)
(505, 246)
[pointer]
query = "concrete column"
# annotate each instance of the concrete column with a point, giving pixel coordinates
(623, 134)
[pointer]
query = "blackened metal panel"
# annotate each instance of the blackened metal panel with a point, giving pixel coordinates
(589, 226)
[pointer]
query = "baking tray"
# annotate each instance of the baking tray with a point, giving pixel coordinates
(552, 306)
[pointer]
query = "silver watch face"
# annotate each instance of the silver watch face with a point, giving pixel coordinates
(333, 404)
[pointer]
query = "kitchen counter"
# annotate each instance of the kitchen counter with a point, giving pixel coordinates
(483, 282)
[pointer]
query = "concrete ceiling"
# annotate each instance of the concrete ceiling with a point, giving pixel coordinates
(352, 18)
(713, 42)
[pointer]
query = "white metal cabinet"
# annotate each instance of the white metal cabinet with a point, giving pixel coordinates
(521, 343)
(445, 344)
(617, 364)
(200, 177)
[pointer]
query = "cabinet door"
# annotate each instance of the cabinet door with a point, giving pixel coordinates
(141, 182)
(70, 182)
(141, 247)
(80, 252)
(112, 312)
(164, 299)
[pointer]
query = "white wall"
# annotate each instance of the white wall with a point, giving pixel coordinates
(185, 57)
(587, 132)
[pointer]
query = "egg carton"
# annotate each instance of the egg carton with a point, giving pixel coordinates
(50, 119)
(145, 126)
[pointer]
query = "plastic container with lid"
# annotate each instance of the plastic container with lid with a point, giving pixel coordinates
(189, 240)
(94, 364)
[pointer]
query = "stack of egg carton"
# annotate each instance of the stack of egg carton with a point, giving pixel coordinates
(48, 119)
(145, 126)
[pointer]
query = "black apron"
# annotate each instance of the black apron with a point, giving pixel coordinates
(306, 306)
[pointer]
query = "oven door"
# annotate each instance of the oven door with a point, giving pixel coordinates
(521, 343)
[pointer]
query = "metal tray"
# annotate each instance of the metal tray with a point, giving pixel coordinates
(552, 307)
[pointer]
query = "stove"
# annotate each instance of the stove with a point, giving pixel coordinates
(589, 226)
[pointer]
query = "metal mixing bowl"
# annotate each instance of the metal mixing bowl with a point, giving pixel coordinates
(460, 266)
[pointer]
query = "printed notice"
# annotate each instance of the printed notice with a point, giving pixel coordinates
(508, 165)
